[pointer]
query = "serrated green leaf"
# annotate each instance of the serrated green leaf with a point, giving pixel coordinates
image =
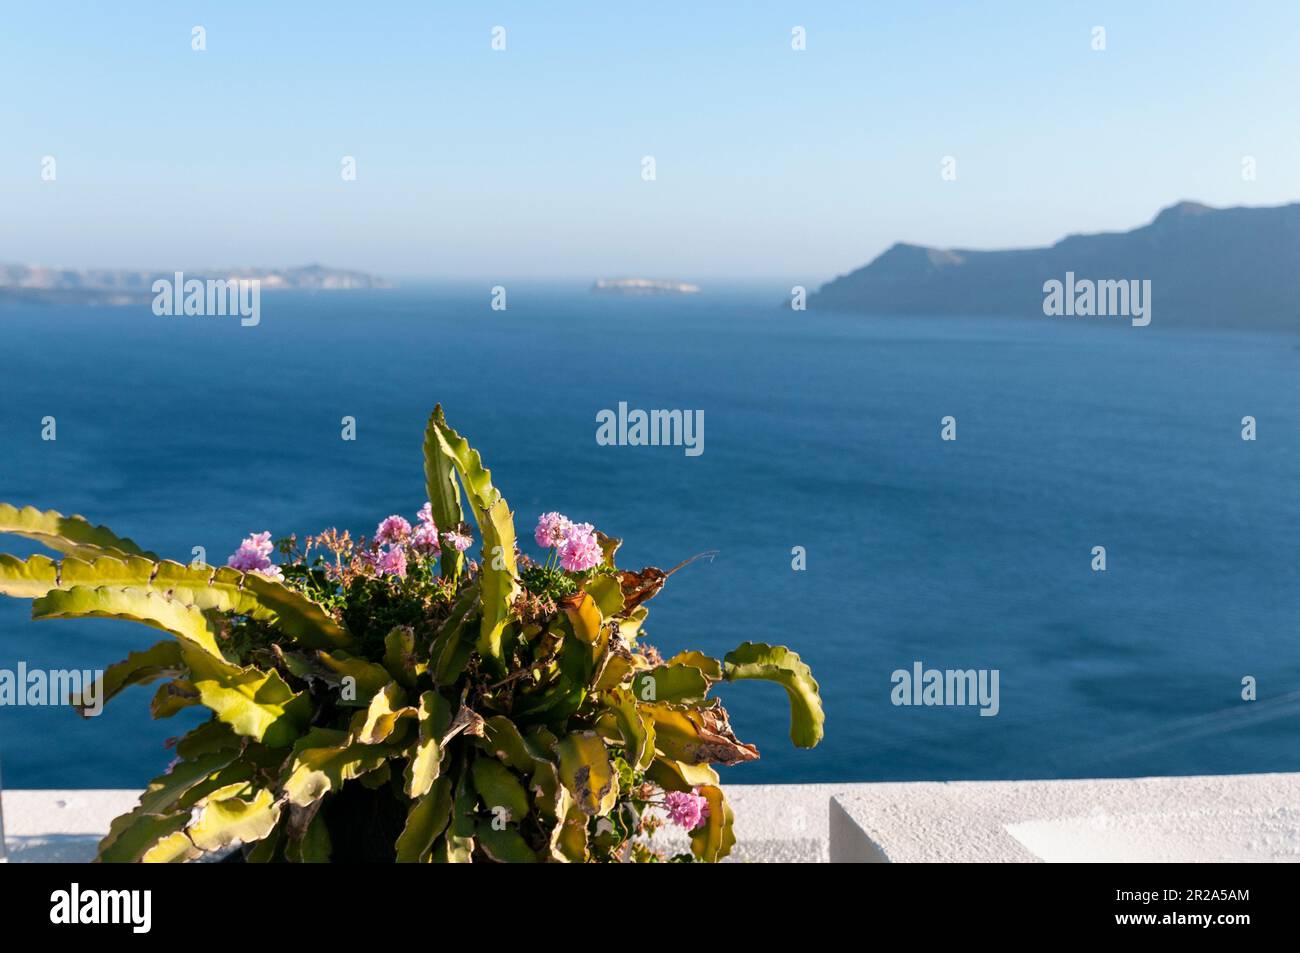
(387, 707)
(399, 656)
(168, 794)
(172, 697)
(696, 735)
(208, 738)
(233, 815)
(586, 773)
(425, 764)
(175, 848)
(675, 776)
(569, 836)
(713, 839)
(443, 494)
(776, 663)
(367, 677)
(162, 660)
(66, 534)
(425, 822)
(670, 683)
(221, 590)
(297, 616)
(636, 727)
(500, 788)
(27, 578)
(133, 605)
(256, 704)
(504, 845)
(608, 594)
(452, 647)
(498, 573)
(456, 845)
(137, 834)
(711, 667)
(317, 769)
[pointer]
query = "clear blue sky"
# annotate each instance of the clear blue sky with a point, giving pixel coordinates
(526, 163)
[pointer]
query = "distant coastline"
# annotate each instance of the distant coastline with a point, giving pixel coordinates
(1205, 267)
(643, 286)
(107, 287)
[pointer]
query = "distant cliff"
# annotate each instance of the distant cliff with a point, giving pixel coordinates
(108, 287)
(1230, 267)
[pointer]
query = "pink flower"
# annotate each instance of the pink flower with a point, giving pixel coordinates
(392, 562)
(425, 539)
(687, 810)
(580, 552)
(254, 555)
(552, 529)
(457, 539)
(578, 529)
(392, 530)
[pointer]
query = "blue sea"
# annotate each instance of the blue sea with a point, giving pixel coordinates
(821, 431)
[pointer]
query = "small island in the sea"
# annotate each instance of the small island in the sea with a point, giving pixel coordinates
(643, 286)
(40, 285)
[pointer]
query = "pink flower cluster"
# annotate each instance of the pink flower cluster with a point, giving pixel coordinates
(254, 555)
(425, 537)
(395, 534)
(457, 539)
(576, 543)
(393, 531)
(686, 809)
(392, 562)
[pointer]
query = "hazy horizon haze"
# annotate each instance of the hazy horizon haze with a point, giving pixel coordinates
(526, 163)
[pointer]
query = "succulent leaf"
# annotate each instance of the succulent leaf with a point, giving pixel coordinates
(671, 683)
(569, 836)
(504, 845)
(585, 771)
(163, 660)
(399, 656)
(72, 535)
(233, 815)
(500, 789)
(387, 707)
(425, 765)
(188, 624)
(677, 776)
(426, 820)
(323, 759)
(443, 494)
(498, 572)
(713, 839)
(138, 835)
(776, 663)
(27, 578)
(697, 735)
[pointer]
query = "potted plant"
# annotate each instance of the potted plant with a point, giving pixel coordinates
(391, 699)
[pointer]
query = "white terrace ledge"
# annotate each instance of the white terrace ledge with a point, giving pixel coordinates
(1252, 817)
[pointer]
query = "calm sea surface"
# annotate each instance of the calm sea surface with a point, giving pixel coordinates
(821, 431)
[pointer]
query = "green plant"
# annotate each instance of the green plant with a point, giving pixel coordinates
(509, 710)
